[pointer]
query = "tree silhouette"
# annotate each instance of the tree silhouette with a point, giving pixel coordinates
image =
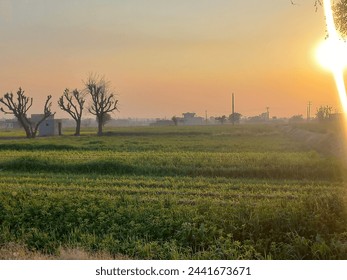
(296, 118)
(103, 99)
(235, 117)
(323, 113)
(221, 119)
(72, 103)
(340, 15)
(175, 120)
(20, 109)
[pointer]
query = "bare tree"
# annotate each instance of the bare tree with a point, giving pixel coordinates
(72, 103)
(103, 99)
(20, 108)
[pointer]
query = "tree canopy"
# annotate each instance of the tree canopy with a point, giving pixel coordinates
(340, 15)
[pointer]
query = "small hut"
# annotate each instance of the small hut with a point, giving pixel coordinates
(49, 127)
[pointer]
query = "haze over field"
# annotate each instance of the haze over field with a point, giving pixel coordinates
(169, 57)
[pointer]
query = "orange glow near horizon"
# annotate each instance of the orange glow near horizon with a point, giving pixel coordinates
(332, 54)
(164, 58)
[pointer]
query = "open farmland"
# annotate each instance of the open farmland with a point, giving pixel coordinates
(210, 192)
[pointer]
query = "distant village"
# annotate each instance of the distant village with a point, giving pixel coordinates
(52, 126)
(103, 103)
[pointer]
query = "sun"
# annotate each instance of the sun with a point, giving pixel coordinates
(332, 54)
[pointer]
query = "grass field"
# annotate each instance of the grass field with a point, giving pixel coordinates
(210, 192)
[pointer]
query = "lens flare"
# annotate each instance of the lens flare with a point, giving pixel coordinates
(332, 54)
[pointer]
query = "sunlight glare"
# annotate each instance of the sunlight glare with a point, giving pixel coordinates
(332, 54)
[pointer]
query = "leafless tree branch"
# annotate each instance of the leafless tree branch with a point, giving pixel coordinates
(103, 99)
(20, 108)
(73, 106)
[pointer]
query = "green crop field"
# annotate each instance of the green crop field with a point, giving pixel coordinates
(209, 192)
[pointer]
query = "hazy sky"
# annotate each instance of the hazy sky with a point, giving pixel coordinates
(164, 58)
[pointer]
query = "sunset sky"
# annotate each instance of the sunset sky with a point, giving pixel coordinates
(164, 58)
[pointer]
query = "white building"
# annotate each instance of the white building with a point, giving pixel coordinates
(49, 127)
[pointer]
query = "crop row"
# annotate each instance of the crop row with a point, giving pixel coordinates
(181, 186)
(307, 165)
(174, 139)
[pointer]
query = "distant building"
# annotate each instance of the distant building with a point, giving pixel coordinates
(10, 124)
(188, 119)
(191, 119)
(49, 127)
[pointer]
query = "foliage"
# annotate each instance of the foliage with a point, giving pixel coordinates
(339, 8)
(340, 15)
(107, 118)
(221, 119)
(323, 113)
(235, 117)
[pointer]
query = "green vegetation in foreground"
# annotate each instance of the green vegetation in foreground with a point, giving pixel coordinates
(244, 192)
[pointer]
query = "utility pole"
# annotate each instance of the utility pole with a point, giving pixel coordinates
(233, 108)
(206, 116)
(309, 111)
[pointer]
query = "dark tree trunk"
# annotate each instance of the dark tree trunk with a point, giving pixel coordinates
(28, 132)
(26, 127)
(78, 128)
(99, 127)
